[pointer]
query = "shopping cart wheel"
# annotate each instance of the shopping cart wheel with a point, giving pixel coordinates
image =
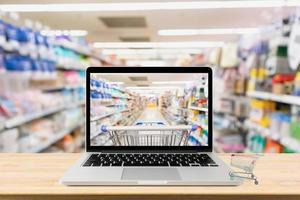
(104, 128)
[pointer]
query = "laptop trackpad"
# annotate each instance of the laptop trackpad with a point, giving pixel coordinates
(150, 173)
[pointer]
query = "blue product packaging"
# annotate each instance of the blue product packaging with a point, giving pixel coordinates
(2, 64)
(11, 62)
(2, 34)
(12, 37)
(23, 41)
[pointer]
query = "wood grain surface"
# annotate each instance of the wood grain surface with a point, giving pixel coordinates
(35, 176)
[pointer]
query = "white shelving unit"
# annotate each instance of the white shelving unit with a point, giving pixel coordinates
(67, 67)
(106, 115)
(198, 108)
(22, 119)
(287, 141)
(58, 136)
(288, 99)
(2, 125)
(82, 50)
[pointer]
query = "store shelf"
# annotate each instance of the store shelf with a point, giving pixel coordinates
(106, 115)
(121, 97)
(74, 47)
(67, 87)
(77, 67)
(288, 99)
(19, 120)
(115, 96)
(111, 105)
(58, 136)
(198, 108)
(86, 51)
(129, 121)
(287, 141)
(2, 125)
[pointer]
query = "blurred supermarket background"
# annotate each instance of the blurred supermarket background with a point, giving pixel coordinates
(253, 47)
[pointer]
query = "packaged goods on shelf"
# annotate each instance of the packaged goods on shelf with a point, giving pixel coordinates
(229, 55)
(273, 147)
(280, 131)
(16, 104)
(295, 122)
(25, 50)
(174, 108)
(25, 47)
(277, 60)
(229, 143)
(260, 110)
(283, 83)
(255, 142)
(8, 140)
(42, 76)
(34, 101)
(42, 133)
(67, 144)
(111, 105)
(68, 58)
(297, 84)
(66, 80)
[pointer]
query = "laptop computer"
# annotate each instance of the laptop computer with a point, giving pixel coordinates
(149, 126)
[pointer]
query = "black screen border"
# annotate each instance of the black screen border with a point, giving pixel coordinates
(117, 70)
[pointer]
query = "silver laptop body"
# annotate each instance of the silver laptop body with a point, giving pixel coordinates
(79, 174)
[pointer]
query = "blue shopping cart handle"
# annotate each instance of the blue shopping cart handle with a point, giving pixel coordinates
(104, 128)
(194, 127)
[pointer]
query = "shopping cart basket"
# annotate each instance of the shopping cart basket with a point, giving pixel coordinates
(159, 135)
(149, 123)
(246, 163)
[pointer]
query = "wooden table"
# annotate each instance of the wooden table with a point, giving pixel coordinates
(35, 176)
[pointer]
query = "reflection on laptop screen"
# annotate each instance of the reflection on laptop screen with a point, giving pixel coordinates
(149, 109)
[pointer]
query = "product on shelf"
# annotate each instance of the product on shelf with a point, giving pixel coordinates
(8, 141)
(260, 111)
(42, 133)
(41, 77)
(231, 143)
(111, 105)
(297, 84)
(283, 83)
(273, 147)
(34, 101)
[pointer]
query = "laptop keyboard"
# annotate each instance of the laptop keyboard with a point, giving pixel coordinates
(145, 160)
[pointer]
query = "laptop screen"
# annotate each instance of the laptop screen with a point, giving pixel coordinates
(149, 109)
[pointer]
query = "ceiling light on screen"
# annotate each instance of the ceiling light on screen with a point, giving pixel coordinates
(136, 6)
(211, 31)
(159, 45)
(75, 33)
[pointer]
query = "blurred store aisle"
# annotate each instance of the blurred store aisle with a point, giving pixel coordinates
(151, 114)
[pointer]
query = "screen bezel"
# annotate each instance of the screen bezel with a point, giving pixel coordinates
(158, 70)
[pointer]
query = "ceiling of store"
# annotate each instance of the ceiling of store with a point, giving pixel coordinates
(148, 79)
(98, 31)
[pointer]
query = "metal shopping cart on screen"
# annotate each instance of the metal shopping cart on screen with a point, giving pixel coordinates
(149, 123)
(149, 135)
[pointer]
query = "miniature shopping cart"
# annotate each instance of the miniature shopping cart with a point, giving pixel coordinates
(246, 163)
(159, 135)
